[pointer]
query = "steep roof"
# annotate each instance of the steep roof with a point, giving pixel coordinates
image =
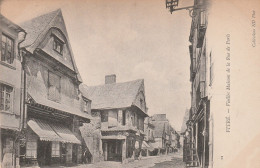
(10, 24)
(158, 128)
(109, 96)
(38, 27)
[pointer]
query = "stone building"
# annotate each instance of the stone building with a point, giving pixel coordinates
(223, 75)
(119, 109)
(148, 138)
(196, 145)
(161, 133)
(11, 88)
(54, 107)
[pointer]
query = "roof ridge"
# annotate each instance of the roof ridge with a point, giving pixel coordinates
(114, 83)
(21, 23)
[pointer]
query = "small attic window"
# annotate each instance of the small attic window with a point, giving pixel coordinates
(58, 45)
(141, 103)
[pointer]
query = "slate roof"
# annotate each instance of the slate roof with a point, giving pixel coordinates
(10, 24)
(158, 128)
(109, 96)
(36, 29)
(36, 26)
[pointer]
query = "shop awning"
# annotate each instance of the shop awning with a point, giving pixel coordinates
(146, 146)
(66, 135)
(52, 131)
(119, 137)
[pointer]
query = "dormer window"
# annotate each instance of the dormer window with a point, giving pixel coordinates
(58, 45)
(86, 105)
(141, 103)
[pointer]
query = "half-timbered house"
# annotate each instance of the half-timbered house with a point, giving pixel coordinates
(54, 106)
(120, 109)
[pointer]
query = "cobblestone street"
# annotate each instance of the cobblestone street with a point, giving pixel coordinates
(163, 161)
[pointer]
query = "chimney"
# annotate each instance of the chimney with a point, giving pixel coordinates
(110, 79)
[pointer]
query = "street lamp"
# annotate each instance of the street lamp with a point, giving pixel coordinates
(173, 4)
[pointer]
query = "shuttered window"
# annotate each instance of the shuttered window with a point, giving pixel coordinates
(54, 87)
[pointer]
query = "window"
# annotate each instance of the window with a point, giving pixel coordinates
(86, 105)
(141, 103)
(31, 149)
(58, 45)
(124, 118)
(104, 116)
(134, 119)
(55, 149)
(6, 97)
(7, 51)
(202, 19)
(54, 87)
(211, 70)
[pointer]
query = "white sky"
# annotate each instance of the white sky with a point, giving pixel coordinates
(130, 38)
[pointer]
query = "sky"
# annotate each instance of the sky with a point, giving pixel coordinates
(134, 39)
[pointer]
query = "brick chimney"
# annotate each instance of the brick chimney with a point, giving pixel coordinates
(110, 79)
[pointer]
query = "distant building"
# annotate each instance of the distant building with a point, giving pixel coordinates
(161, 133)
(120, 109)
(149, 137)
(11, 88)
(54, 106)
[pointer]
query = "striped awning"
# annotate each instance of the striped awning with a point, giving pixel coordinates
(52, 131)
(119, 137)
(147, 146)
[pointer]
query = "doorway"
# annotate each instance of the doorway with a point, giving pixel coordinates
(44, 153)
(74, 153)
(113, 150)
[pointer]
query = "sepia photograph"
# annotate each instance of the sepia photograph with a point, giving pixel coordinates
(129, 84)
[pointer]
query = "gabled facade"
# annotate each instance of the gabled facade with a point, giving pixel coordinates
(120, 109)
(55, 109)
(11, 91)
(162, 133)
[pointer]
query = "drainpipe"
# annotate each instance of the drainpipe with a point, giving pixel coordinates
(21, 95)
(23, 82)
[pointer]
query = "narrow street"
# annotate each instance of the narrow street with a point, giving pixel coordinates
(163, 161)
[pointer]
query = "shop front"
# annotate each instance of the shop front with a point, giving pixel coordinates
(49, 143)
(122, 146)
(8, 148)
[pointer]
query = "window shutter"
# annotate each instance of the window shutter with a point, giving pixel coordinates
(54, 87)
